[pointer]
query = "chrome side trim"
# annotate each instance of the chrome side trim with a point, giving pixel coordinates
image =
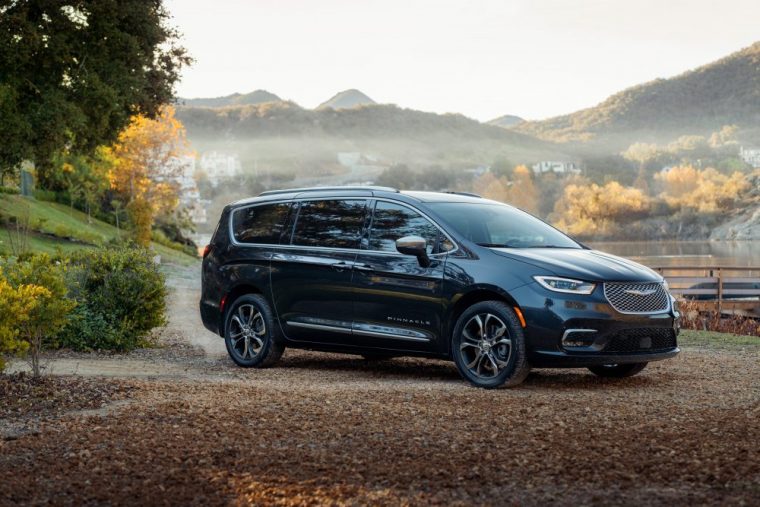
(329, 249)
(377, 334)
(321, 327)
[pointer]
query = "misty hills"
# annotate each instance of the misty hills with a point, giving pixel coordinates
(347, 99)
(284, 130)
(699, 101)
(236, 99)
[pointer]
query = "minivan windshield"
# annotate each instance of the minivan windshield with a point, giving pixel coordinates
(497, 225)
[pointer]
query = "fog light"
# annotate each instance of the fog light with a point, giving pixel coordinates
(578, 338)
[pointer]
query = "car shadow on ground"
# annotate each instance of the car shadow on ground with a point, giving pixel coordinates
(349, 367)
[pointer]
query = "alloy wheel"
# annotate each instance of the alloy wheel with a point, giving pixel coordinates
(486, 346)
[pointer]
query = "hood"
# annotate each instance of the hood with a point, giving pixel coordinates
(589, 265)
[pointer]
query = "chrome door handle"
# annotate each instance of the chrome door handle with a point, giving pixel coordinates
(363, 267)
(340, 266)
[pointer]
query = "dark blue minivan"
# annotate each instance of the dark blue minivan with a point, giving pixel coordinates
(382, 273)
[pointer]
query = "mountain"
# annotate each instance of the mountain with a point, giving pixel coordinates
(699, 101)
(506, 121)
(236, 99)
(347, 99)
(279, 134)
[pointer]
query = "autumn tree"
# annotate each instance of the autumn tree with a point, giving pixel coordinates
(143, 170)
(703, 191)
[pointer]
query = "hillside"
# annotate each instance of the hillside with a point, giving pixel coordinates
(236, 99)
(347, 99)
(506, 121)
(58, 227)
(278, 131)
(696, 102)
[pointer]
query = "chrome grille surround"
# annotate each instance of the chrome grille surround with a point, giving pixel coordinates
(637, 297)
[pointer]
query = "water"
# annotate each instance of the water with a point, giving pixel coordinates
(685, 253)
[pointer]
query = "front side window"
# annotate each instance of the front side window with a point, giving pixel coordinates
(498, 225)
(260, 224)
(393, 221)
(332, 224)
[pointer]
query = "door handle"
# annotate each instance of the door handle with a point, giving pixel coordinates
(340, 266)
(363, 267)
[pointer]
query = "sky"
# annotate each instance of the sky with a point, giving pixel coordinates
(531, 58)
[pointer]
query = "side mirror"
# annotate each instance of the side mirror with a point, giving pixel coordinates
(414, 245)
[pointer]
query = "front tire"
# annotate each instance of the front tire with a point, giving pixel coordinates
(488, 346)
(250, 333)
(617, 370)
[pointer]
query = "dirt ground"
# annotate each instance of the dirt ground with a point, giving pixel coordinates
(182, 425)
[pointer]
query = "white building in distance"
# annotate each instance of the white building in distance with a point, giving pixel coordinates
(550, 166)
(750, 156)
(219, 166)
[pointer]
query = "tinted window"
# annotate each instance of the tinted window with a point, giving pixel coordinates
(260, 224)
(392, 221)
(500, 225)
(334, 224)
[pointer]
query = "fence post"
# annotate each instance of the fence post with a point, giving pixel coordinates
(720, 291)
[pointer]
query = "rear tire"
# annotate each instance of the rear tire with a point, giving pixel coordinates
(250, 333)
(617, 370)
(488, 346)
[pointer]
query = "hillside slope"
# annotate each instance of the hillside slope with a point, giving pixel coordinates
(59, 227)
(506, 121)
(696, 102)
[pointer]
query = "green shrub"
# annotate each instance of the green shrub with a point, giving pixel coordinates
(158, 236)
(121, 295)
(9, 190)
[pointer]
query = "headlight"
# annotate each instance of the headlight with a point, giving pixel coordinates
(567, 285)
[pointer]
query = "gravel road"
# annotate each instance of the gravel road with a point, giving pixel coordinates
(187, 427)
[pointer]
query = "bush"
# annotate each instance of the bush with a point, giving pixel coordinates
(121, 295)
(37, 306)
(9, 190)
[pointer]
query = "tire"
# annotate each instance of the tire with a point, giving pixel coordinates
(496, 358)
(250, 333)
(617, 370)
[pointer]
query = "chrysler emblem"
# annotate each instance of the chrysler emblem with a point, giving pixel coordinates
(635, 292)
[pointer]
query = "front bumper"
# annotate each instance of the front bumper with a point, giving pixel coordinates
(568, 330)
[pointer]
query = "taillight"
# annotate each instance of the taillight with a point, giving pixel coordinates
(206, 251)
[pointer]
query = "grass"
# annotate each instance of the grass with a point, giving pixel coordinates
(57, 219)
(715, 340)
(58, 227)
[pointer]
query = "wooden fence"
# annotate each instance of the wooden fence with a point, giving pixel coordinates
(726, 289)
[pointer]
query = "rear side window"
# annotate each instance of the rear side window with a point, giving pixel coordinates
(393, 221)
(260, 224)
(332, 224)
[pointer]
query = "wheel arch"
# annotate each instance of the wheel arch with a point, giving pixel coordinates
(464, 300)
(230, 296)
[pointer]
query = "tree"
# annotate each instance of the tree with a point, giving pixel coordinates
(143, 169)
(72, 74)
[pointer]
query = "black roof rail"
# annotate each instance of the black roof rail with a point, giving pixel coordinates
(327, 189)
(468, 194)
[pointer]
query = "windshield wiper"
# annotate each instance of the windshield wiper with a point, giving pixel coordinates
(496, 245)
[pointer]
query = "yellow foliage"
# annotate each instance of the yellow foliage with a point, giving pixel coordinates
(17, 306)
(519, 191)
(593, 209)
(142, 171)
(706, 191)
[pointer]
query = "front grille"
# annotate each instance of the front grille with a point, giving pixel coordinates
(641, 340)
(637, 297)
